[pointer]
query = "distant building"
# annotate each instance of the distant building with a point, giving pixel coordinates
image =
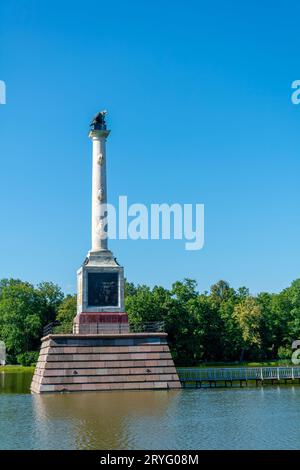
(2, 353)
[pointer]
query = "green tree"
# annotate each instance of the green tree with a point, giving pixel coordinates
(205, 331)
(185, 291)
(66, 314)
(222, 325)
(231, 337)
(248, 315)
(130, 288)
(221, 291)
(52, 296)
(272, 324)
(292, 304)
(181, 322)
(158, 304)
(21, 311)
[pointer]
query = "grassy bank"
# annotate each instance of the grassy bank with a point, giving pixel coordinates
(17, 368)
(279, 363)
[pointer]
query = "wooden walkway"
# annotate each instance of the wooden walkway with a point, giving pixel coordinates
(230, 376)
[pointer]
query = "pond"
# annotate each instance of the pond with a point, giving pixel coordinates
(248, 418)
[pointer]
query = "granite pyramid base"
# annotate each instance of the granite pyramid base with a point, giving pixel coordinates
(130, 361)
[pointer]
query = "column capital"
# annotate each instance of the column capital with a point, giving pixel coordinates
(97, 134)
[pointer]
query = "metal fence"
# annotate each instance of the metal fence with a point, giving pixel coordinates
(118, 328)
(237, 373)
(109, 328)
(48, 329)
(154, 326)
(100, 328)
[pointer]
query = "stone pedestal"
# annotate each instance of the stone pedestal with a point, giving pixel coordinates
(100, 294)
(133, 361)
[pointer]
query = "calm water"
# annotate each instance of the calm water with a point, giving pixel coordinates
(248, 418)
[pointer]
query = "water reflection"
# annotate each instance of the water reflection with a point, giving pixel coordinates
(106, 420)
(248, 418)
(15, 382)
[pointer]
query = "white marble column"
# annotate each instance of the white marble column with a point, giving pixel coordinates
(99, 189)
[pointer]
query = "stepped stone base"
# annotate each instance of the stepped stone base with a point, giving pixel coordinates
(130, 361)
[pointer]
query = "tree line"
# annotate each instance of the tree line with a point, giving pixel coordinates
(224, 324)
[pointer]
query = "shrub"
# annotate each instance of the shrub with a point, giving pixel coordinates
(284, 353)
(28, 358)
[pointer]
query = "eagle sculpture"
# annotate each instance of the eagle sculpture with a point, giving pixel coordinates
(98, 122)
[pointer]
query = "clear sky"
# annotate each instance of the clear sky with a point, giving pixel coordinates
(199, 101)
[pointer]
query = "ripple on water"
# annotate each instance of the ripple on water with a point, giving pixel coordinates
(248, 418)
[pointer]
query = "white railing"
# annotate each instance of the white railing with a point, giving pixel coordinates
(238, 373)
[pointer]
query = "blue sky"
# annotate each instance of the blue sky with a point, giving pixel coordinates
(199, 105)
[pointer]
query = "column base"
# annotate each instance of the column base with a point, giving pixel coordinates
(75, 363)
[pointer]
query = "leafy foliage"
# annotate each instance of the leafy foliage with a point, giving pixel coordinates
(28, 358)
(24, 311)
(221, 325)
(65, 314)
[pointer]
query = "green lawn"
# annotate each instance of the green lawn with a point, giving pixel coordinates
(16, 368)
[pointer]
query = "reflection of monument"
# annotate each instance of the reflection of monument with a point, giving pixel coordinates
(102, 354)
(101, 421)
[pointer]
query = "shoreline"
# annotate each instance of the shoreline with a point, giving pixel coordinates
(280, 363)
(16, 368)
